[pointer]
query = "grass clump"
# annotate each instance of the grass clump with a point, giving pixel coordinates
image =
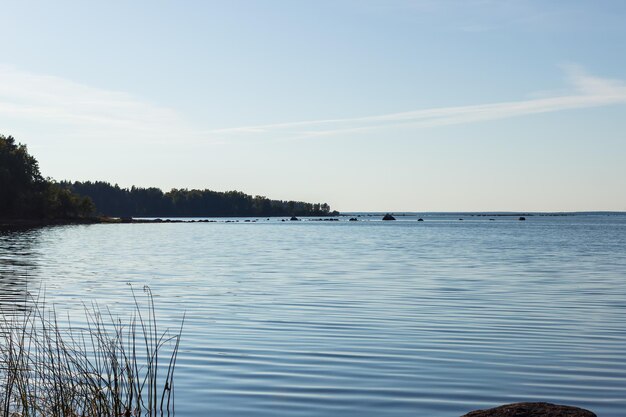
(108, 367)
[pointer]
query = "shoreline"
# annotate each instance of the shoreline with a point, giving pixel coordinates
(34, 223)
(12, 223)
(23, 224)
(27, 223)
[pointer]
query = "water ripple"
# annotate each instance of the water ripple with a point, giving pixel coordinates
(358, 319)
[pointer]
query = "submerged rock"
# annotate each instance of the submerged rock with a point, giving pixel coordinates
(532, 410)
(522, 218)
(388, 217)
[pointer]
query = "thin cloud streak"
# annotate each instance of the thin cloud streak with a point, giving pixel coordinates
(63, 108)
(70, 109)
(588, 91)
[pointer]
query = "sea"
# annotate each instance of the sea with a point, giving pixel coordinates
(432, 318)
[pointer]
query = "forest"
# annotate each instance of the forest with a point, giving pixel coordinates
(25, 193)
(112, 200)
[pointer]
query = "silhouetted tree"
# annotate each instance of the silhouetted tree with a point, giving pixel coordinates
(111, 200)
(24, 193)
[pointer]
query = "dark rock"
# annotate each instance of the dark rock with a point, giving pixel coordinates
(420, 220)
(294, 219)
(522, 218)
(354, 219)
(460, 219)
(388, 217)
(532, 410)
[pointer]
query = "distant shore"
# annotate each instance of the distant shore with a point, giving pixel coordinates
(33, 223)
(11, 223)
(27, 223)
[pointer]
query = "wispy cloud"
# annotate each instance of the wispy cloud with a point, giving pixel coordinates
(63, 108)
(75, 110)
(586, 91)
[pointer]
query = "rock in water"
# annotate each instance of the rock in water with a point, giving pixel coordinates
(294, 219)
(388, 217)
(532, 410)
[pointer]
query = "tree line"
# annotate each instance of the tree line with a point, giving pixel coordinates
(26, 194)
(112, 200)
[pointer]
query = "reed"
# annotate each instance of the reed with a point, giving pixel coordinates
(108, 367)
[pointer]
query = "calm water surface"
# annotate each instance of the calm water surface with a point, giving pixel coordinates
(367, 318)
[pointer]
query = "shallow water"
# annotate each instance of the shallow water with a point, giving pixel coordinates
(367, 318)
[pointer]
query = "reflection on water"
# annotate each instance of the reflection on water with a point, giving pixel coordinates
(18, 267)
(359, 318)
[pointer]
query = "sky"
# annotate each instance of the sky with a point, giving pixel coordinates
(367, 105)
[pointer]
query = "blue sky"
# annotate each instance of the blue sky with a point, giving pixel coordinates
(391, 105)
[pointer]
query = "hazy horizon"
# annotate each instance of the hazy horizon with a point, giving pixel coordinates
(448, 106)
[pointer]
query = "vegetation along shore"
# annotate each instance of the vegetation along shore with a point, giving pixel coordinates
(29, 199)
(108, 367)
